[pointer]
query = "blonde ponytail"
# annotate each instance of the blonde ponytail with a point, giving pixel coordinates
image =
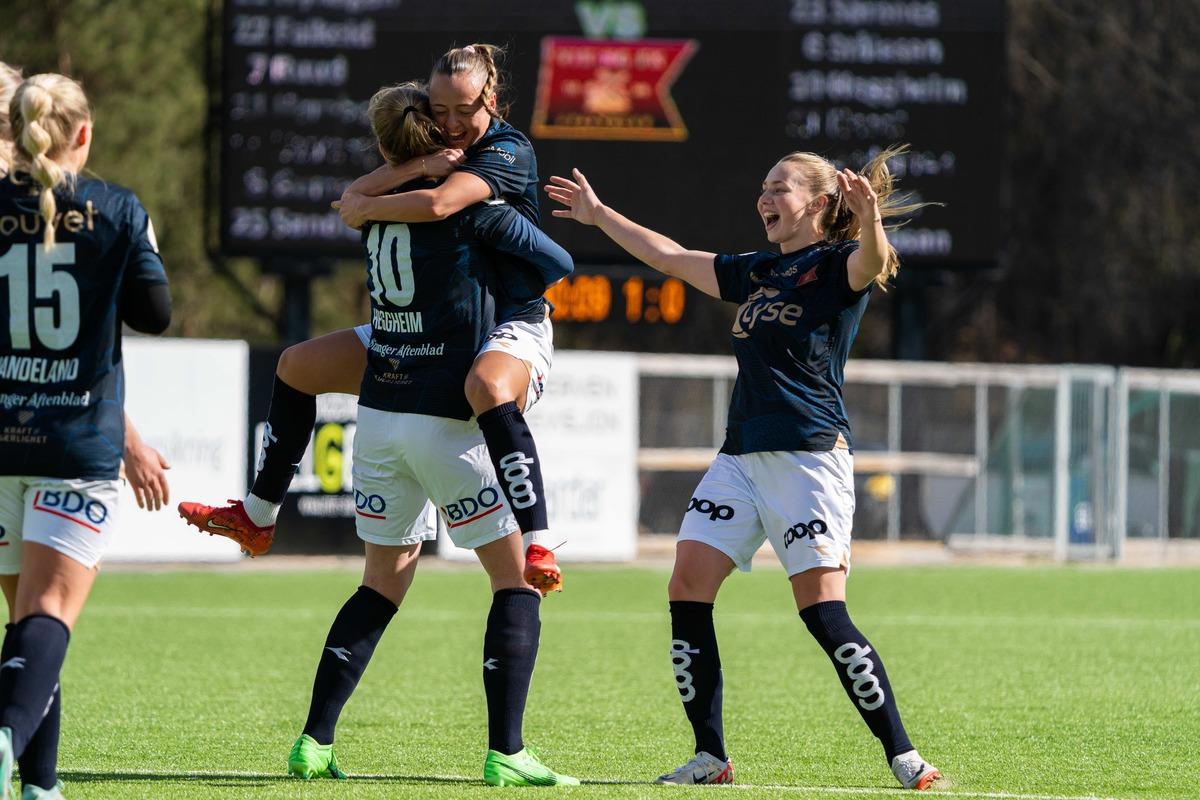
(48, 110)
(10, 79)
(840, 224)
(402, 123)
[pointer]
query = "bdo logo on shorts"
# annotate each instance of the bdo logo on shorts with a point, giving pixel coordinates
(469, 509)
(369, 505)
(713, 510)
(71, 505)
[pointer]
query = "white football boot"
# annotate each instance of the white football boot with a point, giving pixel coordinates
(914, 772)
(703, 768)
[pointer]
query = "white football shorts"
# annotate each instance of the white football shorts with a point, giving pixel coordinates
(802, 502)
(75, 517)
(532, 343)
(402, 462)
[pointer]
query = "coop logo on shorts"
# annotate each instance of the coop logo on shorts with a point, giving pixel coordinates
(805, 530)
(469, 509)
(72, 506)
(681, 659)
(861, 670)
(369, 505)
(714, 511)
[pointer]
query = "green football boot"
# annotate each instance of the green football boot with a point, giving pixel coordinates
(311, 760)
(521, 769)
(30, 792)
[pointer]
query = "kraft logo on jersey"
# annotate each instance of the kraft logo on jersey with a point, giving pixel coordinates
(762, 307)
(469, 509)
(711, 509)
(73, 506)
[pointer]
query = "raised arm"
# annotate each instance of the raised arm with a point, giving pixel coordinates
(865, 263)
(649, 247)
(504, 229)
(460, 190)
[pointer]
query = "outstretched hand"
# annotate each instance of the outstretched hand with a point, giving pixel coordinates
(580, 200)
(859, 196)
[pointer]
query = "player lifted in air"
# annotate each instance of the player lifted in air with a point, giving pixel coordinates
(78, 259)
(417, 442)
(483, 158)
(785, 471)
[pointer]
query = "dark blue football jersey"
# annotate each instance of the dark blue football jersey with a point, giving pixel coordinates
(61, 379)
(504, 159)
(792, 336)
(431, 305)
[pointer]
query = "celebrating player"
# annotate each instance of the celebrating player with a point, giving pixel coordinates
(416, 441)
(81, 259)
(785, 471)
(486, 159)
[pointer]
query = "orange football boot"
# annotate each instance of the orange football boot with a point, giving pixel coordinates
(231, 522)
(541, 570)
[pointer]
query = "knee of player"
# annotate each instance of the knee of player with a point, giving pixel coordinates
(683, 586)
(288, 368)
(485, 391)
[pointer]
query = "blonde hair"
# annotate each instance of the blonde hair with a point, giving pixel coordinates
(402, 124)
(10, 79)
(46, 111)
(839, 223)
(477, 58)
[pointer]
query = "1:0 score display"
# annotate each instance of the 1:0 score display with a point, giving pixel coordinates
(596, 298)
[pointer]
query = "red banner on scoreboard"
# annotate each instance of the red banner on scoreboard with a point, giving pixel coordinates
(603, 89)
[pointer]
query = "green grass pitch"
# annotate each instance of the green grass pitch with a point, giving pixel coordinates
(1019, 683)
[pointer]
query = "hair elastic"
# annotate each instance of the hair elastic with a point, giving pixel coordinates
(407, 109)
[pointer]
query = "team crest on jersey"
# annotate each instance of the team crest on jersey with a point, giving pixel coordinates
(761, 306)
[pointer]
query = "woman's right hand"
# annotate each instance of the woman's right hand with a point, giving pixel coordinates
(442, 163)
(581, 201)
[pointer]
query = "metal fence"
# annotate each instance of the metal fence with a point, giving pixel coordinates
(1066, 461)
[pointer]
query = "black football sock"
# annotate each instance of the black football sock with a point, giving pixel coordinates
(697, 665)
(39, 762)
(861, 671)
(510, 646)
(289, 427)
(348, 649)
(36, 648)
(518, 470)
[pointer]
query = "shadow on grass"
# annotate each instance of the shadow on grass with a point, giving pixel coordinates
(235, 779)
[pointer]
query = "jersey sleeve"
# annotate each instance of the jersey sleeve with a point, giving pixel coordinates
(840, 259)
(733, 275)
(500, 226)
(142, 263)
(503, 164)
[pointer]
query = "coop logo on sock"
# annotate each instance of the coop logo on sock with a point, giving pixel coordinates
(516, 475)
(861, 670)
(714, 511)
(681, 659)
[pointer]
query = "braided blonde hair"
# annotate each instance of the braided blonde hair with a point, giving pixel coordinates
(839, 224)
(47, 110)
(477, 58)
(402, 124)
(10, 79)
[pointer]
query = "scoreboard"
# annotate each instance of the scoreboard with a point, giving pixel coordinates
(674, 110)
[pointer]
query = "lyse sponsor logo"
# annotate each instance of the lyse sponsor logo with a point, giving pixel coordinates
(469, 509)
(73, 506)
(861, 670)
(681, 660)
(755, 310)
(714, 511)
(369, 505)
(516, 474)
(805, 530)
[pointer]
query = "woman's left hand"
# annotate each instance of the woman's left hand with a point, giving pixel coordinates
(582, 204)
(352, 207)
(859, 196)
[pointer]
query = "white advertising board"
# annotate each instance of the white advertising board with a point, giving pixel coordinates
(187, 398)
(587, 438)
